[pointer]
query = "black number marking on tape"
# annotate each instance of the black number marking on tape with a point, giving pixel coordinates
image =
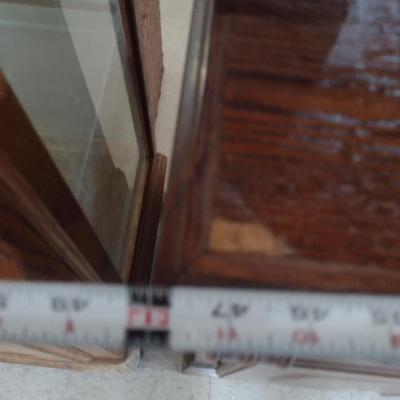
(233, 310)
(63, 304)
(382, 317)
(315, 314)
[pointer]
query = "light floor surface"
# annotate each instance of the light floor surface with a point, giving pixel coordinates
(155, 377)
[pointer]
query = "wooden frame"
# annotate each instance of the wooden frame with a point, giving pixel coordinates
(170, 262)
(148, 23)
(149, 222)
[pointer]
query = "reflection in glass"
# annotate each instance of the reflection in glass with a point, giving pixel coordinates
(62, 60)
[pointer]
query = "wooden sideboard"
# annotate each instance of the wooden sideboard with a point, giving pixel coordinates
(287, 154)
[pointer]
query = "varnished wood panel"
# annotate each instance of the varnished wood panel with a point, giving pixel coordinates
(24, 254)
(149, 222)
(285, 173)
(148, 22)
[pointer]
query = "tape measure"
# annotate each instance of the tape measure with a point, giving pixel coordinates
(226, 321)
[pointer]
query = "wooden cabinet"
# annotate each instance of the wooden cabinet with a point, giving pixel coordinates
(286, 161)
(80, 180)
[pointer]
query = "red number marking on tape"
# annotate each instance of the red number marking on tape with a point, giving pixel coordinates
(163, 318)
(69, 327)
(228, 333)
(395, 341)
(304, 337)
(148, 317)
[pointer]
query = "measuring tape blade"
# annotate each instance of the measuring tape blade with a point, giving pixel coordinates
(226, 321)
(64, 314)
(285, 323)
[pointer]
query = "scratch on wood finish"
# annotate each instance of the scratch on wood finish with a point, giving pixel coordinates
(227, 236)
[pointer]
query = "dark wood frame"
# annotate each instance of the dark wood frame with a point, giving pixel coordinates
(171, 266)
(136, 83)
(148, 228)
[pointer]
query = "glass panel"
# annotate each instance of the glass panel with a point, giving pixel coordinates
(62, 59)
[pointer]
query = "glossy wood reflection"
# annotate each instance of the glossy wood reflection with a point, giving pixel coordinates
(292, 178)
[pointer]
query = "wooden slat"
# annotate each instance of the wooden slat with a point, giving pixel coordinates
(149, 30)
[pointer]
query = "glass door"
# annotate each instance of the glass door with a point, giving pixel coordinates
(67, 63)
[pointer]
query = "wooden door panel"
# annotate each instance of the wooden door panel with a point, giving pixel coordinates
(286, 158)
(24, 254)
(287, 155)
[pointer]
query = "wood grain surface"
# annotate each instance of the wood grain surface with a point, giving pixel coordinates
(289, 177)
(143, 259)
(148, 22)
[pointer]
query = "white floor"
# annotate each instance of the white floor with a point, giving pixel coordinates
(157, 376)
